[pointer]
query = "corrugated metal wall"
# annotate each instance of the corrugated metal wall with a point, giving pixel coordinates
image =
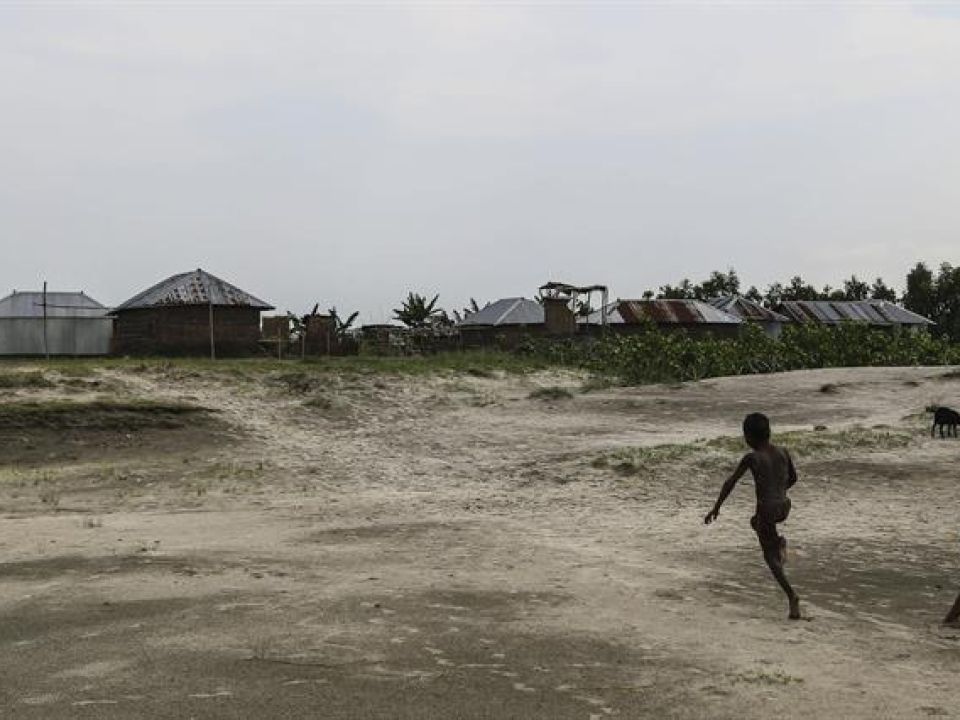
(65, 336)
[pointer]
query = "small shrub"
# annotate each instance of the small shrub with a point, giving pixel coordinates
(551, 393)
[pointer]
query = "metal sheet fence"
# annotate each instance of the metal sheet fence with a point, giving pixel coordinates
(65, 336)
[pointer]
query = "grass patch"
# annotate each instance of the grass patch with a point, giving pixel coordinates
(597, 382)
(477, 363)
(330, 407)
(479, 372)
(20, 380)
(99, 415)
(724, 451)
(298, 382)
(551, 393)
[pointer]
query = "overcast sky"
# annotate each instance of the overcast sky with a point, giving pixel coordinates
(347, 154)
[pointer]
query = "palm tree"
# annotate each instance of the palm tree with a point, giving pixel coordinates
(341, 326)
(417, 312)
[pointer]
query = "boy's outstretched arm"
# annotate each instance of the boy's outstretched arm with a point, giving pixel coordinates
(728, 486)
(791, 471)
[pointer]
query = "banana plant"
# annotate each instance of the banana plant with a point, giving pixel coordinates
(418, 312)
(342, 327)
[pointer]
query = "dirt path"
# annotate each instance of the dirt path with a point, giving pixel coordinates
(395, 547)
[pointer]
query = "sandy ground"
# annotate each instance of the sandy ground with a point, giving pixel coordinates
(451, 547)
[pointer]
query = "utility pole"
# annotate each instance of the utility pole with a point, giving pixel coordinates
(46, 346)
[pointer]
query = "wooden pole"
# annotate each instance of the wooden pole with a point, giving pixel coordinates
(46, 346)
(213, 345)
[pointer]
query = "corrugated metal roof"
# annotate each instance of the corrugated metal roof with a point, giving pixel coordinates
(507, 311)
(197, 287)
(899, 314)
(746, 309)
(835, 312)
(673, 312)
(29, 304)
(596, 317)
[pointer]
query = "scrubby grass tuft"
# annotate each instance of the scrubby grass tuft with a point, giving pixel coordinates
(18, 380)
(99, 415)
(551, 393)
(597, 382)
(717, 452)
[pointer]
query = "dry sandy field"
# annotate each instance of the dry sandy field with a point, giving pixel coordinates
(293, 542)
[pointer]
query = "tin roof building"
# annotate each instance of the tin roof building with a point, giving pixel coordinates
(507, 311)
(694, 316)
(186, 314)
(55, 323)
(877, 313)
(503, 323)
(751, 312)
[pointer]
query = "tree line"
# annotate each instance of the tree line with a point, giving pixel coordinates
(933, 294)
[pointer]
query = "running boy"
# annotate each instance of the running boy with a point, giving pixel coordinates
(773, 474)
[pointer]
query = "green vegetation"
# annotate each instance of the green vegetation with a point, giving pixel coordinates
(479, 363)
(719, 452)
(18, 380)
(653, 356)
(98, 415)
(551, 393)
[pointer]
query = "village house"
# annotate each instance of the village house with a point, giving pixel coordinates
(504, 322)
(693, 316)
(192, 313)
(53, 323)
(752, 312)
(876, 313)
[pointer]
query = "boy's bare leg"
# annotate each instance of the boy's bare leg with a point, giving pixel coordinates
(772, 556)
(954, 615)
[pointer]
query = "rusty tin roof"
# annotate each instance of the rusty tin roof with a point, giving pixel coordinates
(673, 312)
(662, 312)
(746, 309)
(197, 287)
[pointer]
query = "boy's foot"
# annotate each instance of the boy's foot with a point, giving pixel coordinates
(783, 550)
(794, 608)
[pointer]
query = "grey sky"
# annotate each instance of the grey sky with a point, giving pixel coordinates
(347, 154)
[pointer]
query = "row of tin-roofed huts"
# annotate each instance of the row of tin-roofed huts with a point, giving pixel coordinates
(509, 320)
(190, 313)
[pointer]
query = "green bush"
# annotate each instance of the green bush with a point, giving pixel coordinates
(651, 356)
